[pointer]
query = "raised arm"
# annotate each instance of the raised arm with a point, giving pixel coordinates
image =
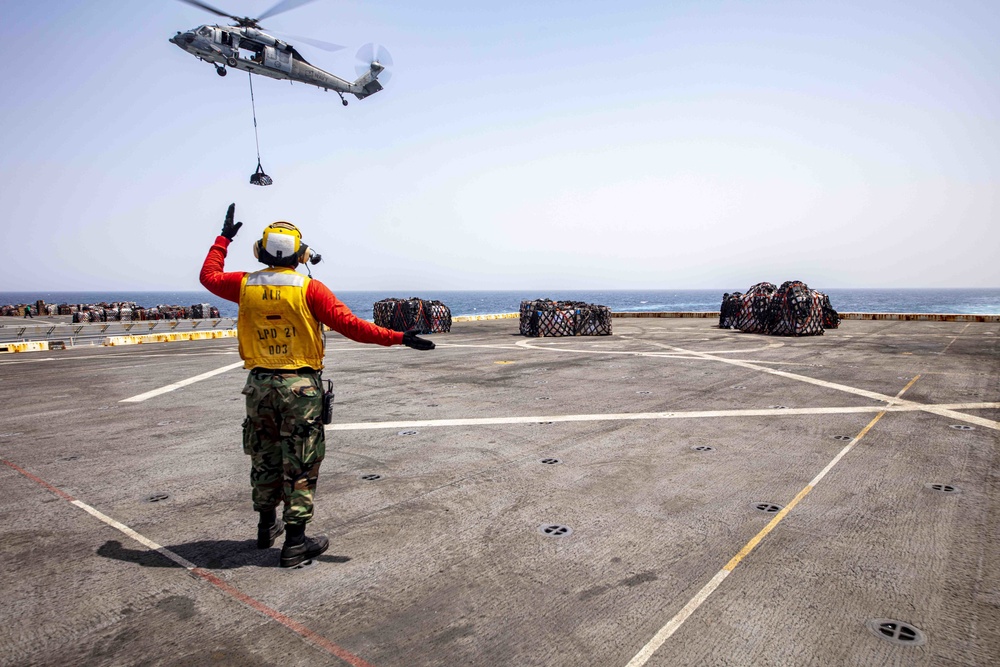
(213, 276)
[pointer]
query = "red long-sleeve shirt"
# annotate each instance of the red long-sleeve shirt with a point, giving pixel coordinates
(327, 308)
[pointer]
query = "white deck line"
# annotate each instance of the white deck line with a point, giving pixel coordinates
(940, 410)
(667, 631)
(177, 385)
(138, 537)
(945, 408)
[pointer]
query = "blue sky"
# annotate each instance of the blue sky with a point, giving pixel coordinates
(552, 145)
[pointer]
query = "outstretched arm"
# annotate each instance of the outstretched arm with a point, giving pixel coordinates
(329, 310)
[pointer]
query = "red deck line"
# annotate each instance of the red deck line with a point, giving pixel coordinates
(312, 637)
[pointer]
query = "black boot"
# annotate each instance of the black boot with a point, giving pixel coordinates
(298, 548)
(268, 528)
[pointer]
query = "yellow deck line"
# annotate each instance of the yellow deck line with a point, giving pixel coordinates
(692, 605)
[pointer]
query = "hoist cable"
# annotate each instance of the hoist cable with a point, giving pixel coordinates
(253, 108)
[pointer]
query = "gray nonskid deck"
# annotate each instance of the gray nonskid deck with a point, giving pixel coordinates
(442, 559)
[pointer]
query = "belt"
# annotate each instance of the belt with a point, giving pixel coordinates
(305, 370)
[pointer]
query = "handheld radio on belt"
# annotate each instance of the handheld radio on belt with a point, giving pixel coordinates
(327, 414)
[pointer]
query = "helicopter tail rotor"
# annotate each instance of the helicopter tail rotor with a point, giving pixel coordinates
(374, 58)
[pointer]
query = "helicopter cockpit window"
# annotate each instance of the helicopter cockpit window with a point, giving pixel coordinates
(204, 31)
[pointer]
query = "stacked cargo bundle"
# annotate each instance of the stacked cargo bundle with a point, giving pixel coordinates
(440, 317)
(791, 310)
(755, 309)
(593, 320)
(125, 311)
(831, 318)
(416, 314)
(544, 317)
(172, 312)
(524, 323)
(730, 310)
(796, 311)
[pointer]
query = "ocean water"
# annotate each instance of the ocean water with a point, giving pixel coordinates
(984, 301)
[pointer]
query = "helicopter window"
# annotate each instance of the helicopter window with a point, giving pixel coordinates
(204, 31)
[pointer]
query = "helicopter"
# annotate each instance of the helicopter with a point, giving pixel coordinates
(245, 46)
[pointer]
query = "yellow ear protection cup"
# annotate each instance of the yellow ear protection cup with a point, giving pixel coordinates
(281, 245)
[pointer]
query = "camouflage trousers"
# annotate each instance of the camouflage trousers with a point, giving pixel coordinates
(284, 436)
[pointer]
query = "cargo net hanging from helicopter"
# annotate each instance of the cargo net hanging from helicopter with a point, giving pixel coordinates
(543, 317)
(258, 177)
(415, 314)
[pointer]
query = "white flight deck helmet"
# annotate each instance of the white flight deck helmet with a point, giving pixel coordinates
(281, 245)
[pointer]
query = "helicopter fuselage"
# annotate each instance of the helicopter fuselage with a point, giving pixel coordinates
(256, 52)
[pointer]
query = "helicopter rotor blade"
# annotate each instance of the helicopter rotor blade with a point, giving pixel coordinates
(319, 44)
(210, 8)
(281, 7)
(372, 53)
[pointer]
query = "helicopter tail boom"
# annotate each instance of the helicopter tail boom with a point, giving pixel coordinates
(367, 84)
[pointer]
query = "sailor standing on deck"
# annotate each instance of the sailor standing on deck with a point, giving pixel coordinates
(282, 343)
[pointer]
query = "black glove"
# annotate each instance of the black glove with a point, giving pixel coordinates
(411, 339)
(228, 228)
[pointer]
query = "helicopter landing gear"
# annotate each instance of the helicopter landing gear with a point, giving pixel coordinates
(221, 71)
(342, 100)
(231, 61)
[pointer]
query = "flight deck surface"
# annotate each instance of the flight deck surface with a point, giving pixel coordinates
(674, 494)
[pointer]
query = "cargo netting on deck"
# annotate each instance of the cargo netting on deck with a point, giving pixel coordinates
(730, 310)
(755, 309)
(796, 311)
(416, 314)
(831, 318)
(544, 317)
(790, 310)
(119, 311)
(126, 312)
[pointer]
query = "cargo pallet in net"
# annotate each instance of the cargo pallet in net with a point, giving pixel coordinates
(412, 314)
(543, 317)
(790, 310)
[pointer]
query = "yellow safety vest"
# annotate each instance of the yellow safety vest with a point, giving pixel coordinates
(275, 327)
